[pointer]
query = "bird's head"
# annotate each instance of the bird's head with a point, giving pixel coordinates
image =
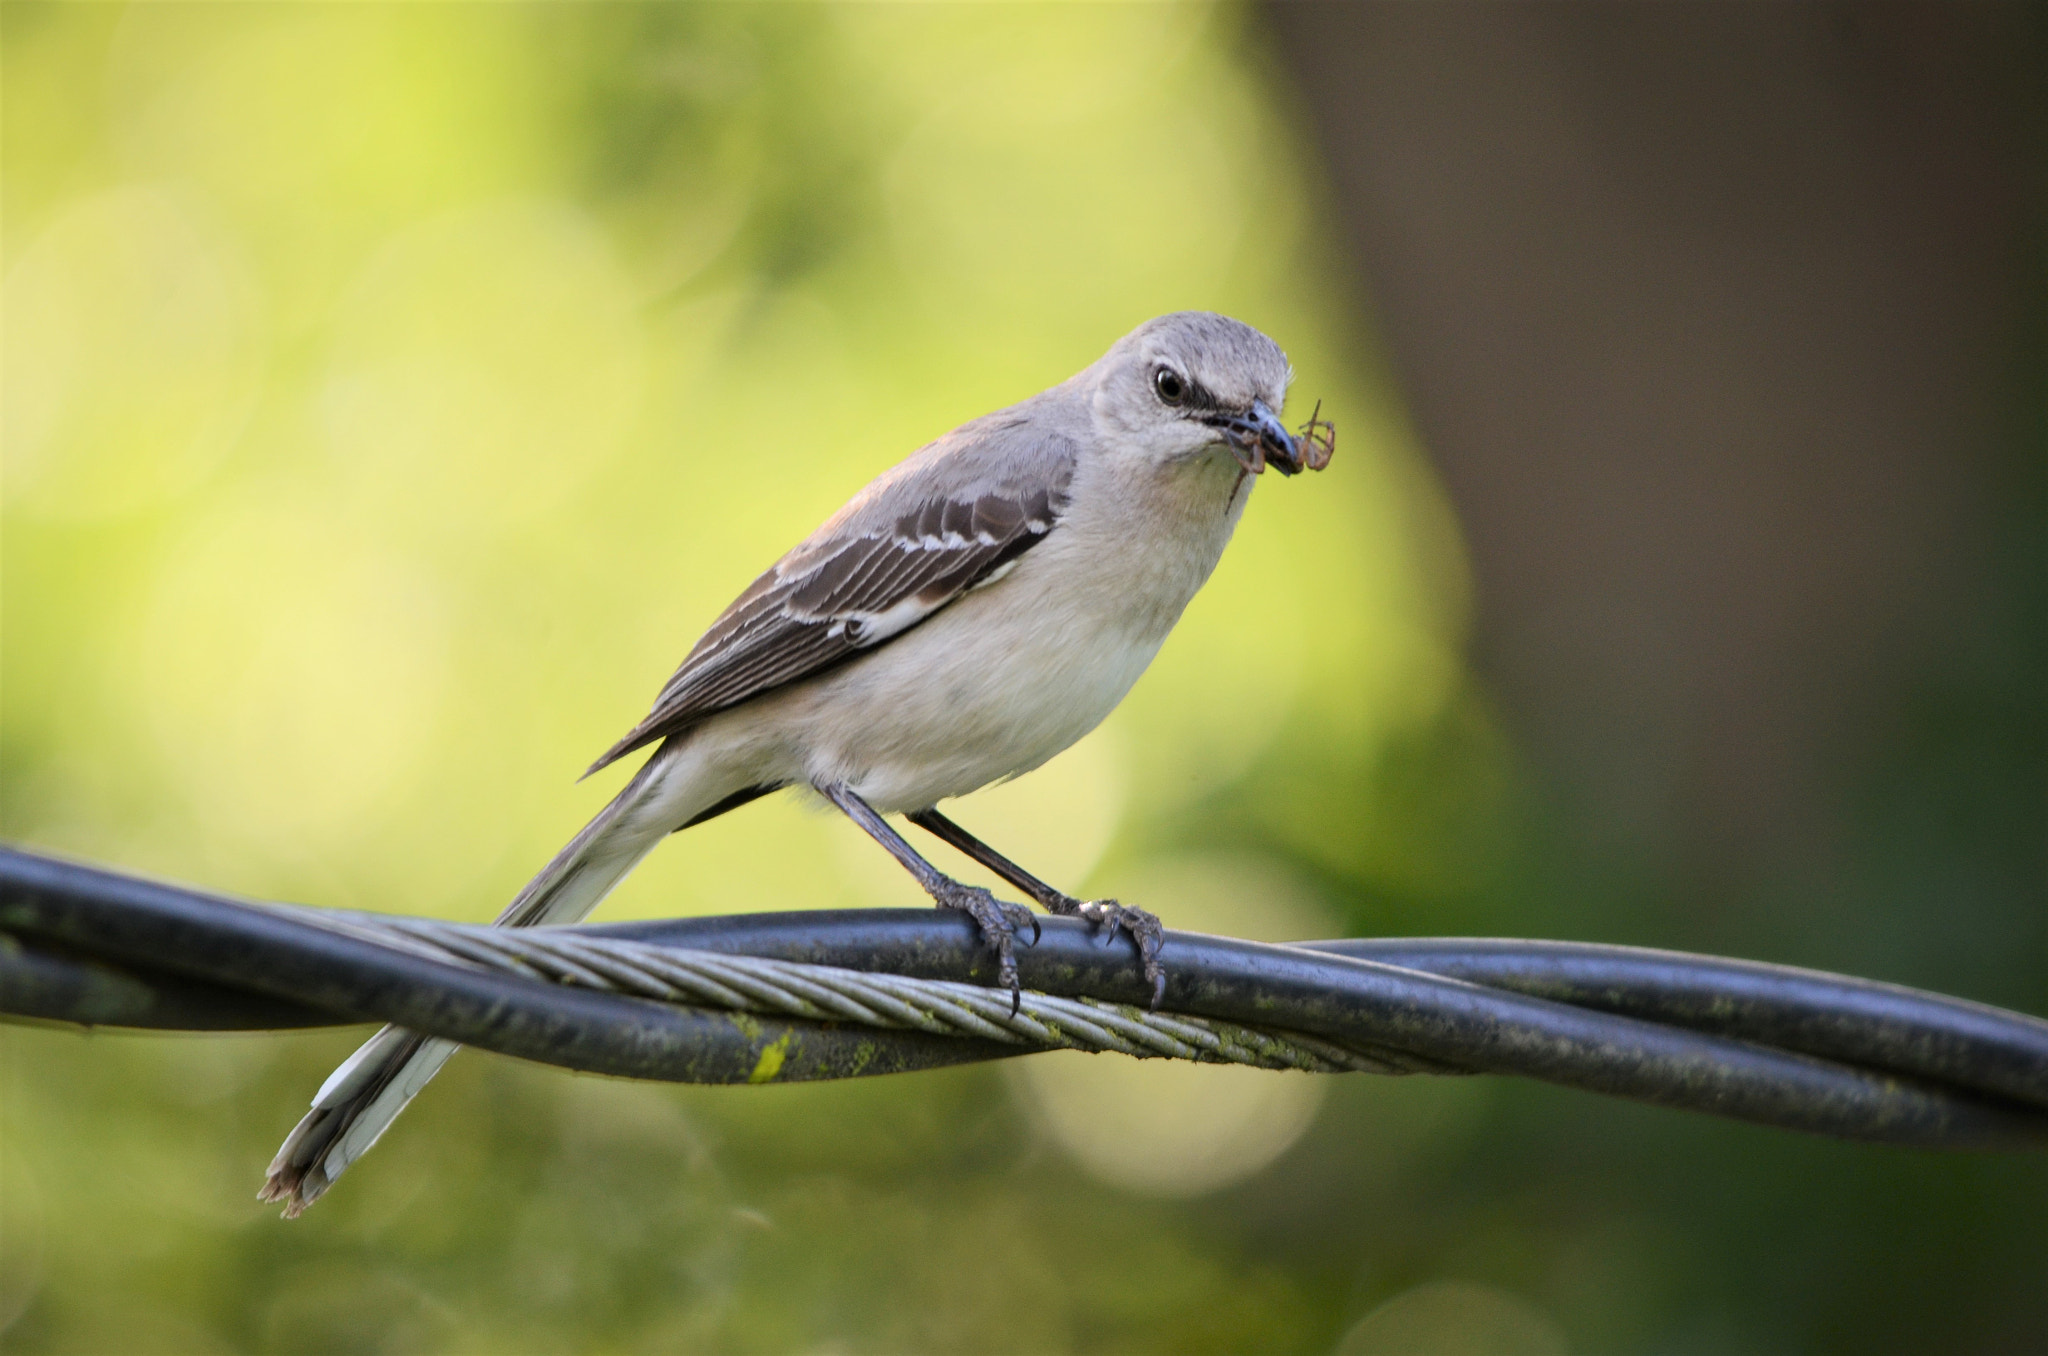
(1194, 383)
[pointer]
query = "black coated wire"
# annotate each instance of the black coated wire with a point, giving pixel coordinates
(93, 947)
(1790, 1048)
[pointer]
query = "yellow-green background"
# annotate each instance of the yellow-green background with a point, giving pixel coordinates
(392, 393)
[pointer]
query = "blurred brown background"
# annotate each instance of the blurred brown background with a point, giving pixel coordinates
(1724, 325)
(1719, 321)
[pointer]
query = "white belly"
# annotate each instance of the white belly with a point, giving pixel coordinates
(1003, 679)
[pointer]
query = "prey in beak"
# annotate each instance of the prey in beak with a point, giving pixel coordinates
(1259, 440)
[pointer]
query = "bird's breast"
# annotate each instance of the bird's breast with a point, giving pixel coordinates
(1011, 674)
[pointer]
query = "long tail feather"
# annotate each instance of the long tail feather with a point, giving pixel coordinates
(360, 1099)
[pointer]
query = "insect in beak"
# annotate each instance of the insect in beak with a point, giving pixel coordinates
(1258, 440)
(1317, 440)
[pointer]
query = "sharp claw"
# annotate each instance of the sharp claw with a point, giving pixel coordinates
(1147, 938)
(998, 922)
(1016, 917)
(1099, 911)
(1006, 977)
(1146, 935)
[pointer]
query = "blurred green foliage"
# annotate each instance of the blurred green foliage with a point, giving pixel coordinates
(391, 395)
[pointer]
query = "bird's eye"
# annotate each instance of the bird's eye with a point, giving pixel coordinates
(1172, 387)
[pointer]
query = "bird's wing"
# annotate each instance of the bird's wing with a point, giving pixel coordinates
(948, 519)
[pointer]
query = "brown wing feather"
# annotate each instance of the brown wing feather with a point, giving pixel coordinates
(821, 605)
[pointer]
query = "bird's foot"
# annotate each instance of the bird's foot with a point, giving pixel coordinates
(999, 921)
(1145, 931)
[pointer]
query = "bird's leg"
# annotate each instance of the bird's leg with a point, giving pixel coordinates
(1146, 933)
(997, 919)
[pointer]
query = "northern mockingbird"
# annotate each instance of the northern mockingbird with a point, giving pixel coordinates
(968, 615)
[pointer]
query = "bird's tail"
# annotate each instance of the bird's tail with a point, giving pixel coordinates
(360, 1099)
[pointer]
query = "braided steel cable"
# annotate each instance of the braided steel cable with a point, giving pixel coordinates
(827, 993)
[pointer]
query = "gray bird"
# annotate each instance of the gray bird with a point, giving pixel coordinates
(971, 613)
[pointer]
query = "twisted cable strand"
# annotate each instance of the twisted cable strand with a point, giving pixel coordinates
(826, 993)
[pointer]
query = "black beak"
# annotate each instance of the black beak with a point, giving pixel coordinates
(1259, 440)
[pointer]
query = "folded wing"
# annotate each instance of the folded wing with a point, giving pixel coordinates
(865, 579)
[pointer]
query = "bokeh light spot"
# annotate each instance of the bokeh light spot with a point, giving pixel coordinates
(1164, 1128)
(1454, 1318)
(1168, 1129)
